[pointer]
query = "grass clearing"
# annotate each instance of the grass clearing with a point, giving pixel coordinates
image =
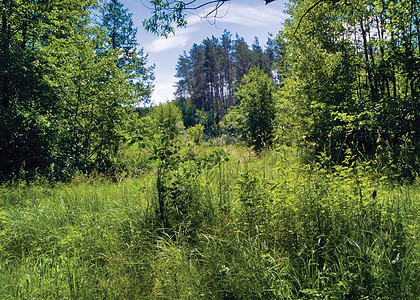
(256, 227)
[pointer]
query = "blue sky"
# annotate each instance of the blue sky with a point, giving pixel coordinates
(248, 18)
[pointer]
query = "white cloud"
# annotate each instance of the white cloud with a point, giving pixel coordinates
(251, 16)
(163, 92)
(180, 40)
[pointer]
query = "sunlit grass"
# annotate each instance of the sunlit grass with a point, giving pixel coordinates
(257, 227)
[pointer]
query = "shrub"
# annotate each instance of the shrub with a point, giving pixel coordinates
(257, 96)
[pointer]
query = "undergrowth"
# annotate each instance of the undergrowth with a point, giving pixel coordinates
(260, 226)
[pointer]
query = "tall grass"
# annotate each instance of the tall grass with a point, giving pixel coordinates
(256, 227)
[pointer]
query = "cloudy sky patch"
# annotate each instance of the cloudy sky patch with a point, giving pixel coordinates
(248, 15)
(247, 18)
(179, 40)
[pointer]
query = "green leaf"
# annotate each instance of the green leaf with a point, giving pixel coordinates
(134, 146)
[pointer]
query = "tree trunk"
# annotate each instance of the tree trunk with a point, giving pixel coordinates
(368, 67)
(5, 61)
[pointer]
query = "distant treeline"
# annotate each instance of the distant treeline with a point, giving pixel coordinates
(211, 72)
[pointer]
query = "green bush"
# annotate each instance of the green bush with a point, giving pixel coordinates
(196, 133)
(257, 97)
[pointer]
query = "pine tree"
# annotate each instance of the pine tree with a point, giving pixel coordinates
(243, 58)
(122, 38)
(119, 24)
(212, 71)
(226, 42)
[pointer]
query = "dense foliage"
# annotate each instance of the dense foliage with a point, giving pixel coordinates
(352, 74)
(258, 108)
(66, 90)
(27, 101)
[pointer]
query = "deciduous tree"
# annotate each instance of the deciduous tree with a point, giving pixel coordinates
(257, 97)
(353, 75)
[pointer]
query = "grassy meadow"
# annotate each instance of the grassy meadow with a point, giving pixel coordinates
(251, 226)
